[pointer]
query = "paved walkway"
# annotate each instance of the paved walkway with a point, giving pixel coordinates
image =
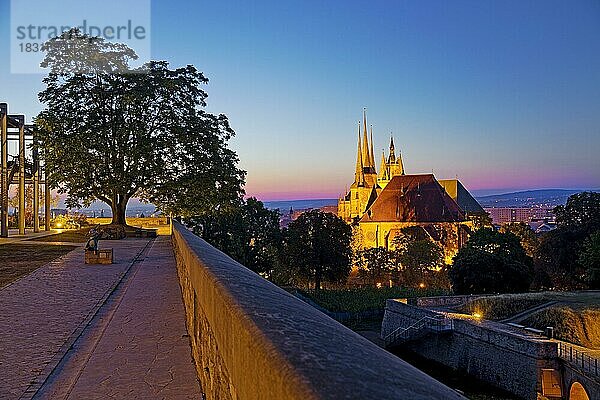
(123, 322)
(13, 235)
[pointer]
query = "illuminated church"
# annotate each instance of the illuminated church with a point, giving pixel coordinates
(380, 204)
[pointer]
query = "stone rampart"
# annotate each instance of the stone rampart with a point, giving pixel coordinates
(253, 340)
(507, 360)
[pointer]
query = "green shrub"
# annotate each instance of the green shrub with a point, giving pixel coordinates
(356, 300)
(580, 327)
(502, 306)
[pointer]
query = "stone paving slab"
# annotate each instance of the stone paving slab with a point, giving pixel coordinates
(137, 346)
(41, 312)
(13, 235)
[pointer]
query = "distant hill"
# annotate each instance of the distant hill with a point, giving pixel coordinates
(529, 198)
(284, 205)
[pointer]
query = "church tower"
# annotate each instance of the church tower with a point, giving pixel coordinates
(390, 168)
(364, 189)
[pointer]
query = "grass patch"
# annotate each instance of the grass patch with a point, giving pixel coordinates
(502, 306)
(72, 236)
(18, 259)
(576, 326)
(363, 299)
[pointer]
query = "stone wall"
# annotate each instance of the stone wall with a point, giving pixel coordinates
(481, 349)
(252, 340)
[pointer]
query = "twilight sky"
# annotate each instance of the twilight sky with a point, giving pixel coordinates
(503, 94)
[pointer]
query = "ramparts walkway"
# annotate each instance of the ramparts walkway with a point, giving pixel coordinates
(70, 330)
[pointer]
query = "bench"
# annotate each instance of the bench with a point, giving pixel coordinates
(103, 256)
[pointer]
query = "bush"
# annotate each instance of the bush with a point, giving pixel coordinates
(363, 299)
(581, 327)
(502, 306)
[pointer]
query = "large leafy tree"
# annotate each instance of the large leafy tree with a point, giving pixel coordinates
(491, 262)
(375, 265)
(589, 258)
(557, 257)
(318, 247)
(582, 211)
(110, 132)
(419, 257)
(526, 235)
(249, 234)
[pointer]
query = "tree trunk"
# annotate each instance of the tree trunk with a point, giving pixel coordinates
(318, 279)
(118, 213)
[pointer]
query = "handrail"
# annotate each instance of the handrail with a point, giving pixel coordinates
(579, 359)
(435, 324)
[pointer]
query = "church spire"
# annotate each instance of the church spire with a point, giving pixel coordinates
(400, 163)
(371, 154)
(365, 144)
(383, 175)
(392, 158)
(359, 177)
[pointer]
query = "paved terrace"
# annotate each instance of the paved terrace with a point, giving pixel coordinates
(70, 330)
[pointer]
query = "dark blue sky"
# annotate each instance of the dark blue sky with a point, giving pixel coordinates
(504, 94)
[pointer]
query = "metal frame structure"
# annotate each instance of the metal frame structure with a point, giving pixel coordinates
(13, 127)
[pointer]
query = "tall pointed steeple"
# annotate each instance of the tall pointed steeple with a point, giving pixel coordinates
(371, 154)
(400, 163)
(359, 176)
(383, 169)
(392, 158)
(365, 142)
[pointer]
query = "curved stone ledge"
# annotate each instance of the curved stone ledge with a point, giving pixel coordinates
(253, 340)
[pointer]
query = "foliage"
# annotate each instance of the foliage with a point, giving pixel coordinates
(480, 220)
(581, 211)
(581, 327)
(491, 262)
(363, 299)
(109, 132)
(420, 259)
(318, 247)
(250, 234)
(71, 221)
(589, 258)
(13, 202)
(558, 260)
(502, 306)
(526, 235)
(375, 265)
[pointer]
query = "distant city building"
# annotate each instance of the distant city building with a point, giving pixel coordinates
(503, 215)
(380, 205)
(542, 226)
(54, 212)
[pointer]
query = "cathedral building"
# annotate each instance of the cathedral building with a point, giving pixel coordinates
(379, 205)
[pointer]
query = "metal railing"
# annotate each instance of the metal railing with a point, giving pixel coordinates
(435, 324)
(579, 359)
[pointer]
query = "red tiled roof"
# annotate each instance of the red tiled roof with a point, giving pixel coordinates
(414, 198)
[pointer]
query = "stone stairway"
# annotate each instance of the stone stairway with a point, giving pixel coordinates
(418, 329)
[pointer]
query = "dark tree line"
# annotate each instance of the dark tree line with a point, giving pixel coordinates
(516, 260)
(315, 248)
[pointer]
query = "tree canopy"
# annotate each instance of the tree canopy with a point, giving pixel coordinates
(418, 255)
(250, 234)
(526, 235)
(558, 260)
(491, 262)
(111, 132)
(589, 258)
(318, 247)
(375, 265)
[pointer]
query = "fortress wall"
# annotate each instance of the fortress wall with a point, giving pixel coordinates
(252, 340)
(510, 362)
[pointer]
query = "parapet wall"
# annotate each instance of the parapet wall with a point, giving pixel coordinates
(252, 340)
(504, 359)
